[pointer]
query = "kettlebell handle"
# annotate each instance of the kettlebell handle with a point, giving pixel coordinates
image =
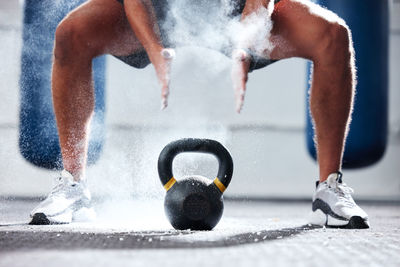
(213, 147)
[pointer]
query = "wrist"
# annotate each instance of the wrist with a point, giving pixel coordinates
(153, 48)
(241, 54)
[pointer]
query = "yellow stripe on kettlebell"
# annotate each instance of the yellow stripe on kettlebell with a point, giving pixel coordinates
(170, 183)
(220, 185)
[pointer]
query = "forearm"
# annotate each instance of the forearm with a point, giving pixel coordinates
(141, 17)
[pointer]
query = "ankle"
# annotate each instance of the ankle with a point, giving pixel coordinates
(336, 174)
(76, 175)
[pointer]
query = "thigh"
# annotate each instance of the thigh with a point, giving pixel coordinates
(103, 25)
(300, 28)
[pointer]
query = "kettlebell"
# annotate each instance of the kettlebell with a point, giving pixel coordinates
(194, 202)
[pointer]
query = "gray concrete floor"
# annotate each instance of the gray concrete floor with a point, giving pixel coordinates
(135, 232)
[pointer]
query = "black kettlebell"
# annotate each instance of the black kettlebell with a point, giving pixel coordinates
(194, 202)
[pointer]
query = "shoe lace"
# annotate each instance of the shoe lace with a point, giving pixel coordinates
(60, 183)
(344, 194)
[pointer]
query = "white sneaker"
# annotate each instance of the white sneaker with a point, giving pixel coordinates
(68, 201)
(333, 205)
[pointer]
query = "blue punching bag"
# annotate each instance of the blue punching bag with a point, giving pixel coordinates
(369, 23)
(38, 137)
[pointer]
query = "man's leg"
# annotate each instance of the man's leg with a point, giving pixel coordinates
(96, 27)
(303, 29)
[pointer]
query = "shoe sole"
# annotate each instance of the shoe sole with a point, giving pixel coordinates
(320, 217)
(41, 219)
(82, 215)
(355, 222)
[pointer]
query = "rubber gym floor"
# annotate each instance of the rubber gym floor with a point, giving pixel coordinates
(250, 233)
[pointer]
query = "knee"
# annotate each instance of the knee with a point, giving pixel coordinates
(69, 41)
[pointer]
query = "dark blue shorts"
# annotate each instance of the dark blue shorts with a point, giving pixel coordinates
(140, 59)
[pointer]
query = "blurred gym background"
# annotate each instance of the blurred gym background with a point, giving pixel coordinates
(267, 141)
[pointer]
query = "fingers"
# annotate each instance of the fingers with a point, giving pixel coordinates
(240, 69)
(239, 100)
(164, 97)
(240, 92)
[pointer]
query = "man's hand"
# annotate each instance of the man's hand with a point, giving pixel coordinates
(255, 21)
(168, 54)
(162, 64)
(240, 69)
(142, 18)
